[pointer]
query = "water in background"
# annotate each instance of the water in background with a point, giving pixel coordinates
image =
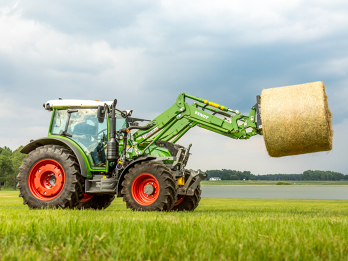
(303, 192)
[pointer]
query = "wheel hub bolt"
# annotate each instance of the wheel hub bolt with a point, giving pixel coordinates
(45, 192)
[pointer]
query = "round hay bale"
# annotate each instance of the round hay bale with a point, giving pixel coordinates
(296, 119)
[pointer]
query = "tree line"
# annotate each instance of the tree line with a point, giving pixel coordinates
(227, 174)
(9, 164)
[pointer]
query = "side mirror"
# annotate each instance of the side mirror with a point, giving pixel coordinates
(101, 114)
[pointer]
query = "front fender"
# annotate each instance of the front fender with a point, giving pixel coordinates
(121, 178)
(57, 141)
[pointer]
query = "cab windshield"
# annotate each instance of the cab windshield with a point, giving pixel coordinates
(87, 132)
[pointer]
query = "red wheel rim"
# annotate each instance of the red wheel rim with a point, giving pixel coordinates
(145, 189)
(180, 199)
(46, 179)
(87, 197)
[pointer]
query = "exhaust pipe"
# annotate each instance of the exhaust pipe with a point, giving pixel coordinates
(113, 146)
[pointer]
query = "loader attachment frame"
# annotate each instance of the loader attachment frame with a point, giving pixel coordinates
(196, 177)
(177, 120)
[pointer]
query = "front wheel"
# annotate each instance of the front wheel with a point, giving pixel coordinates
(149, 186)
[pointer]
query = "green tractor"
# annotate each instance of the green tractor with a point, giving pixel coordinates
(94, 152)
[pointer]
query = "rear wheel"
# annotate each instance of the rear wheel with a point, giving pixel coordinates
(95, 201)
(188, 203)
(49, 178)
(149, 186)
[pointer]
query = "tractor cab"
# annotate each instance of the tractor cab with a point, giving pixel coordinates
(78, 120)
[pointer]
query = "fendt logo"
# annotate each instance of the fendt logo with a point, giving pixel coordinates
(202, 115)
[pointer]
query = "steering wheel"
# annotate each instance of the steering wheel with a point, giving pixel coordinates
(103, 133)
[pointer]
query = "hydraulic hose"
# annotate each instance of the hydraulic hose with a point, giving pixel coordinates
(124, 130)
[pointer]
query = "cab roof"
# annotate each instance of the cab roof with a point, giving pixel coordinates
(67, 103)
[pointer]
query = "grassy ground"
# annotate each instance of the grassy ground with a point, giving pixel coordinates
(272, 182)
(220, 229)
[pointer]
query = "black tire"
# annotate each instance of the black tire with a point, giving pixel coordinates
(189, 203)
(98, 201)
(71, 191)
(167, 186)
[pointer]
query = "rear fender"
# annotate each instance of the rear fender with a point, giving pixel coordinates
(57, 141)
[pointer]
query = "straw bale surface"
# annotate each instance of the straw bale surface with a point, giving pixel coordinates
(296, 119)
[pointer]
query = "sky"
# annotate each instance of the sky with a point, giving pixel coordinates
(145, 52)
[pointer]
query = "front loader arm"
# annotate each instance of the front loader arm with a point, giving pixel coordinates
(173, 123)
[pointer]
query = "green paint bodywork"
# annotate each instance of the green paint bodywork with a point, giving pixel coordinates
(175, 122)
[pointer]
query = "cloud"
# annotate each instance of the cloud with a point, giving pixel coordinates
(42, 63)
(85, 17)
(19, 122)
(145, 52)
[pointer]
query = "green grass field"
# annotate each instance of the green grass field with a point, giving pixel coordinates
(220, 229)
(272, 182)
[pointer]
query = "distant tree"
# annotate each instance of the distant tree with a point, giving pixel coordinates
(321, 175)
(9, 164)
(225, 176)
(6, 167)
(234, 177)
